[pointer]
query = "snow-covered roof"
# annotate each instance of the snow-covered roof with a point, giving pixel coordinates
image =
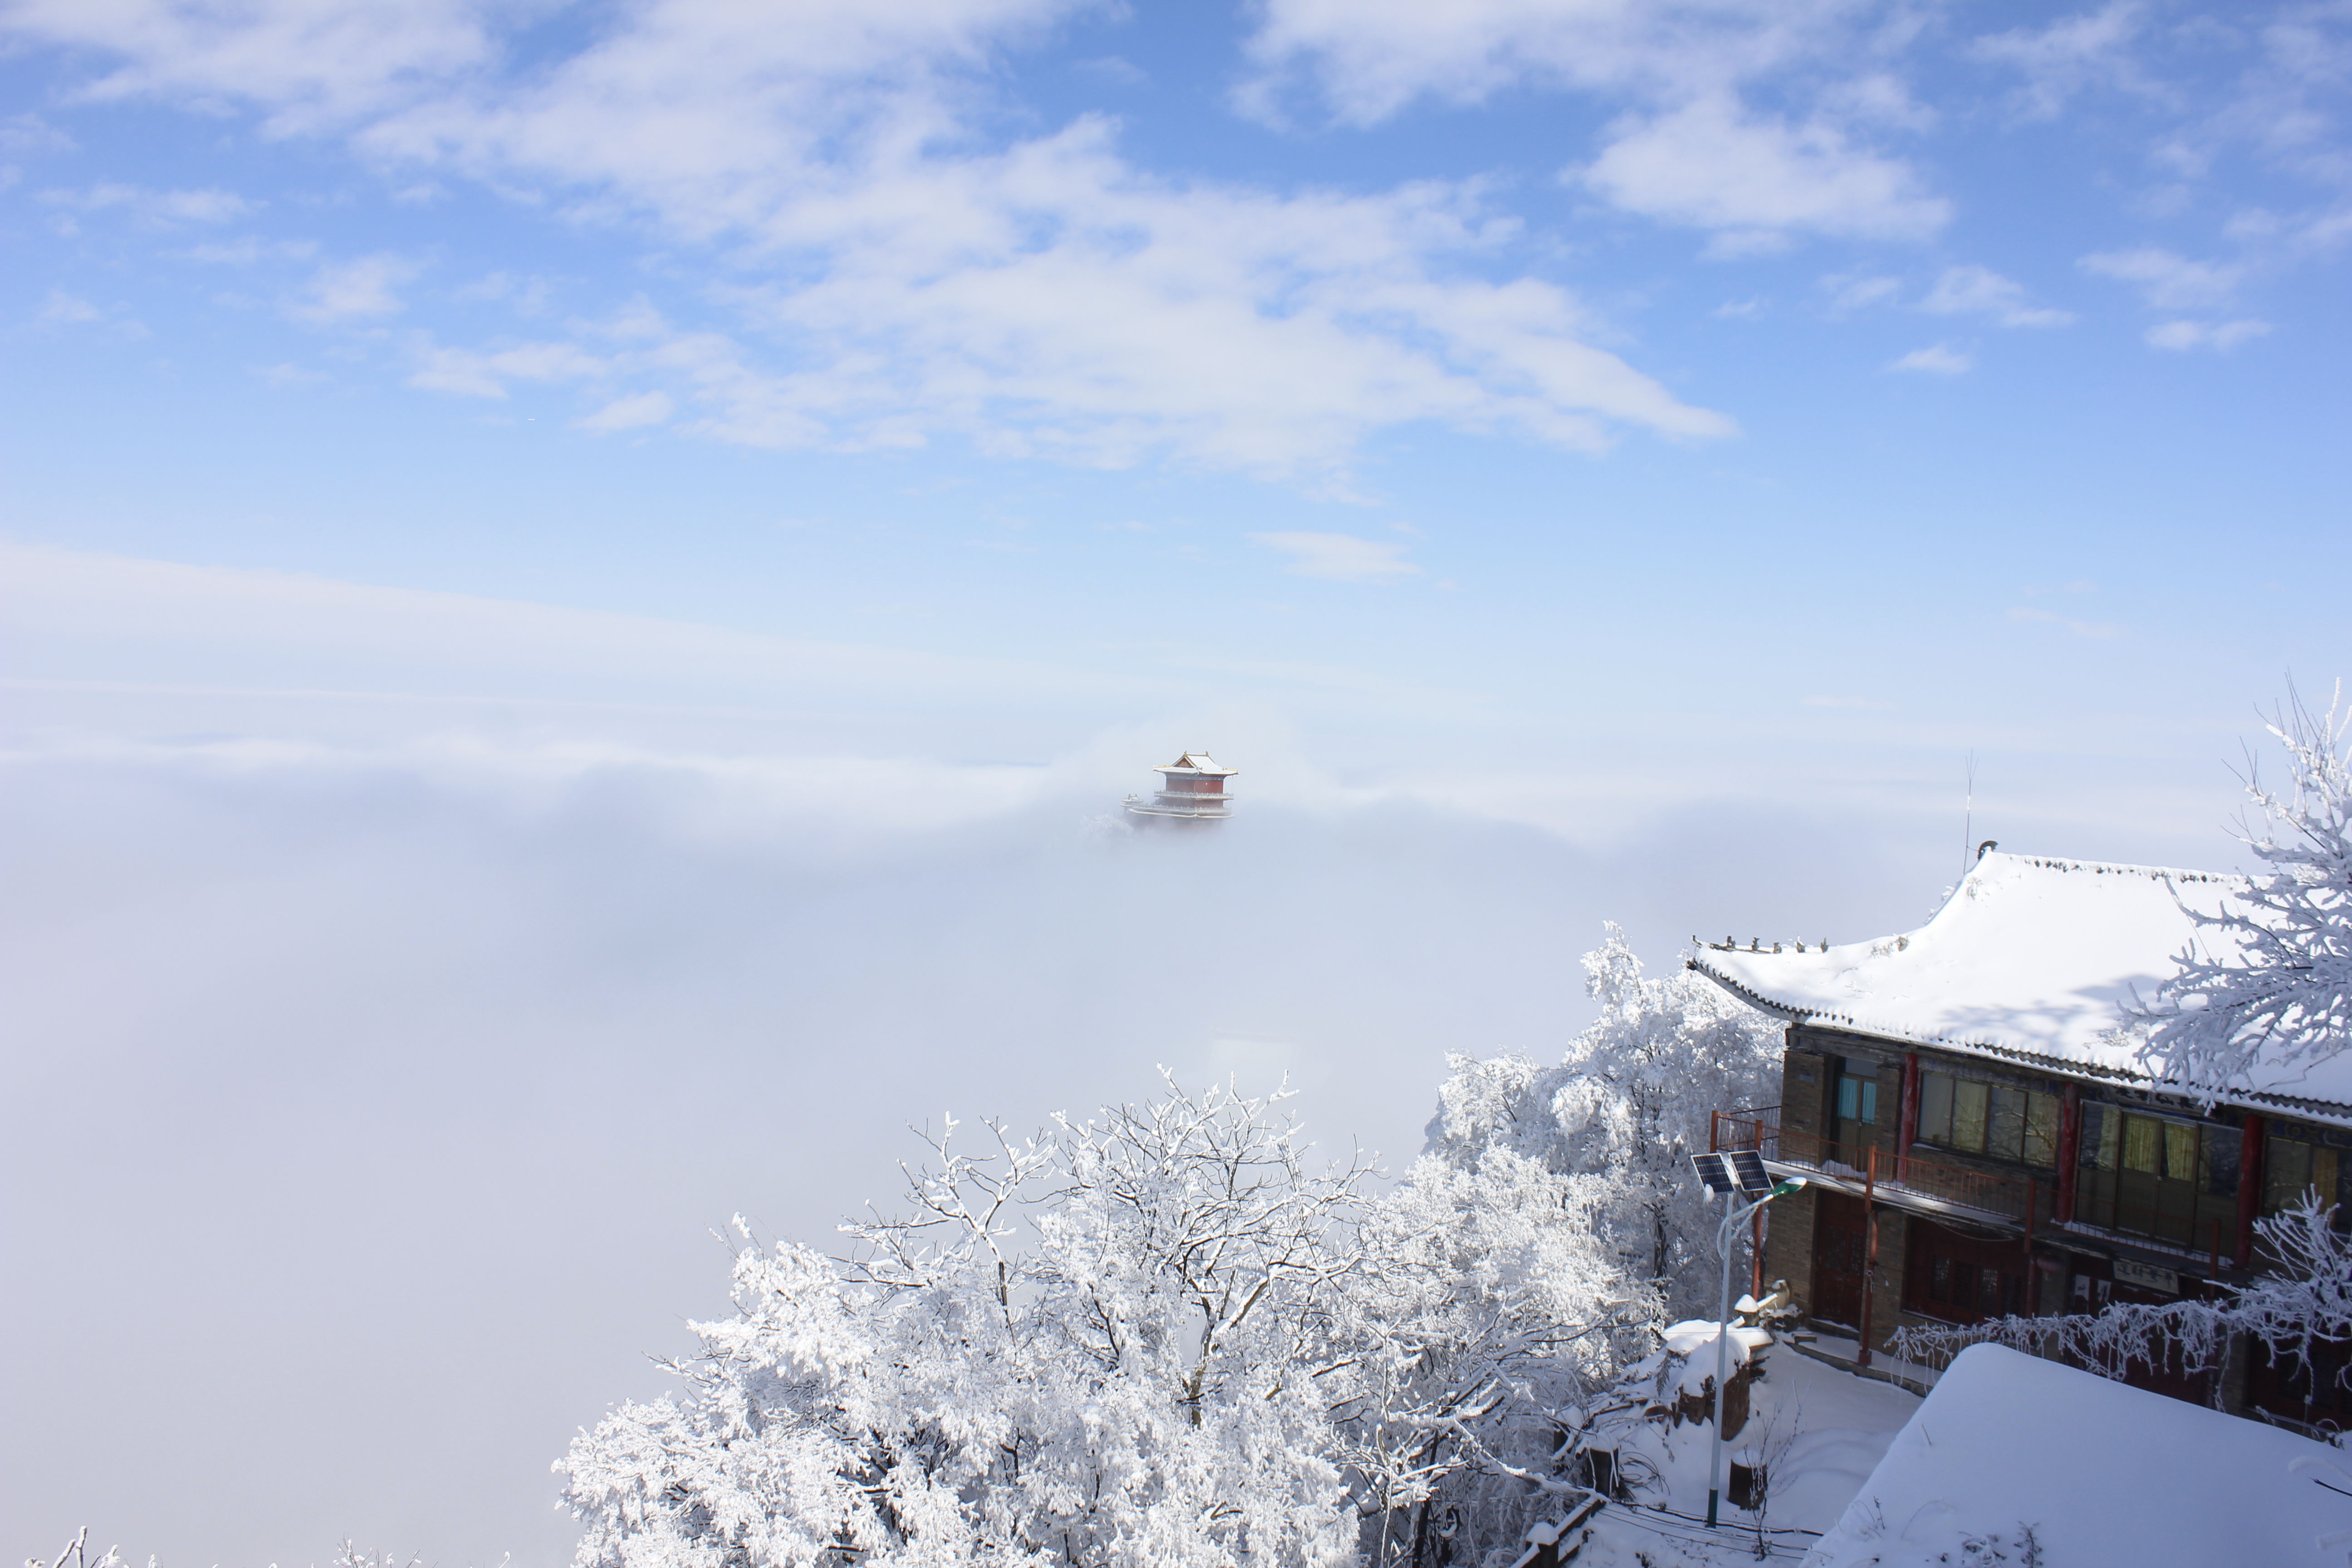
(2030, 958)
(2098, 1471)
(1196, 762)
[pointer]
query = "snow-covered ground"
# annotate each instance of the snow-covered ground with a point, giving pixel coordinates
(1819, 1433)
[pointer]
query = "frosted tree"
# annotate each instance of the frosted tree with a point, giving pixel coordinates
(2306, 1302)
(1629, 1102)
(1164, 1336)
(2270, 978)
(1496, 1309)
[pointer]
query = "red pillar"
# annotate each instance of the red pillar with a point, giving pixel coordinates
(1906, 1127)
(2250, 1176)
(1869, 1250)
(2070, 1152)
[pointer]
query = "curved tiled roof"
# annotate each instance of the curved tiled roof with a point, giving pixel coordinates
(2032, 960)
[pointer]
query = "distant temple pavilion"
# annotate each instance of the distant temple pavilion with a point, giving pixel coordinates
(1191, 790)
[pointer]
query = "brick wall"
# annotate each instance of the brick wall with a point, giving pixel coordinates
(1788, 1228)
(1788, 1247)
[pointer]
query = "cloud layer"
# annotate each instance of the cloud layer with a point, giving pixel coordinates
(890, 269)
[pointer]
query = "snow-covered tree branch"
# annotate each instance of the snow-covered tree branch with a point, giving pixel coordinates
(2269, 979)
(1629, 1102)
(1165, 1336)
(2306, 1301)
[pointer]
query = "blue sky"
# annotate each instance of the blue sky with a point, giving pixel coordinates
(573, 576)
(1710, 359)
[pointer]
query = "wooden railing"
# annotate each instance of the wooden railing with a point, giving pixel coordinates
(1987, 1192)
(2026, 1201)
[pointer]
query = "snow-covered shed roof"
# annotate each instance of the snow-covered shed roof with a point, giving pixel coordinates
(2030, 958)
(1196, 762)
(2098, 1471)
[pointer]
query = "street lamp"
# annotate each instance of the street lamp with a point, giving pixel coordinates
(1738, 1174)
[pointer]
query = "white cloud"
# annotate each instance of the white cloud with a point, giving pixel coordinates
(468, 373)
(1690, 152)
(30, 134)
(1756, 179)
(1367, 58)
(63, 310)
(1980, 290)
(68, 309)
(1849, 292)
(1339, 557)
(2168, 281)
(249, 251)
(630, 412)
(360, 289)
(307, 63)
(901, 280)
(208, 205)
(1936, 359)
(2097, 631)
(2090, 49)
(2220, 335)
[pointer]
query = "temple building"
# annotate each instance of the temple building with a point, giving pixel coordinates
(1981, 1138)
(1192, 793)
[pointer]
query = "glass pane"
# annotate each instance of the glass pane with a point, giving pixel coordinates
(2041, 1130)
(2110, 1138)
(2287, 1164)
(2006, 1136)
(2179, 1151)
(2323, 1174)
(2098, 1135)
(1845, 1097)
(1935, 1107)
(2143, 1142)
(2220, 1155)
(1868, 1098)
(1969, 1116)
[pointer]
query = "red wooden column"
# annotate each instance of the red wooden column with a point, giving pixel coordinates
(2250, 1177)
(1869, 1250)
(2070, 1152)
(1907, 1126)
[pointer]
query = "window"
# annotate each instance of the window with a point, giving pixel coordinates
(2000, 1120)
(1935, 1107)
(2179, 1151)
(2042, 1130)
(2220, 1153)
(1857, 1097)
(2143, 1145)
(2294, 1167)
(1968, 1107)
(2101, 1136)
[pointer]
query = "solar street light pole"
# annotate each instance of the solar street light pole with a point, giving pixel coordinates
(1732, 1216)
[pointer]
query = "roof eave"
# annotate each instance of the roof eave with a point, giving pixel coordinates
(2326, 1110)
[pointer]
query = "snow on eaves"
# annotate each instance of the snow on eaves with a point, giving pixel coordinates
(2032, 959)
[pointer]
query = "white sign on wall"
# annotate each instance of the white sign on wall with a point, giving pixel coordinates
(2147, 1277)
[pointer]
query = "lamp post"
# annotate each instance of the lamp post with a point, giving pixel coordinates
(1738, 1174)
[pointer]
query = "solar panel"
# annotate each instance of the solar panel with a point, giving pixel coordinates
(1713, 1170)
(1747, 1169)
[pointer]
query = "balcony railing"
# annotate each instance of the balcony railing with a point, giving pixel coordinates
(2027, 1202)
